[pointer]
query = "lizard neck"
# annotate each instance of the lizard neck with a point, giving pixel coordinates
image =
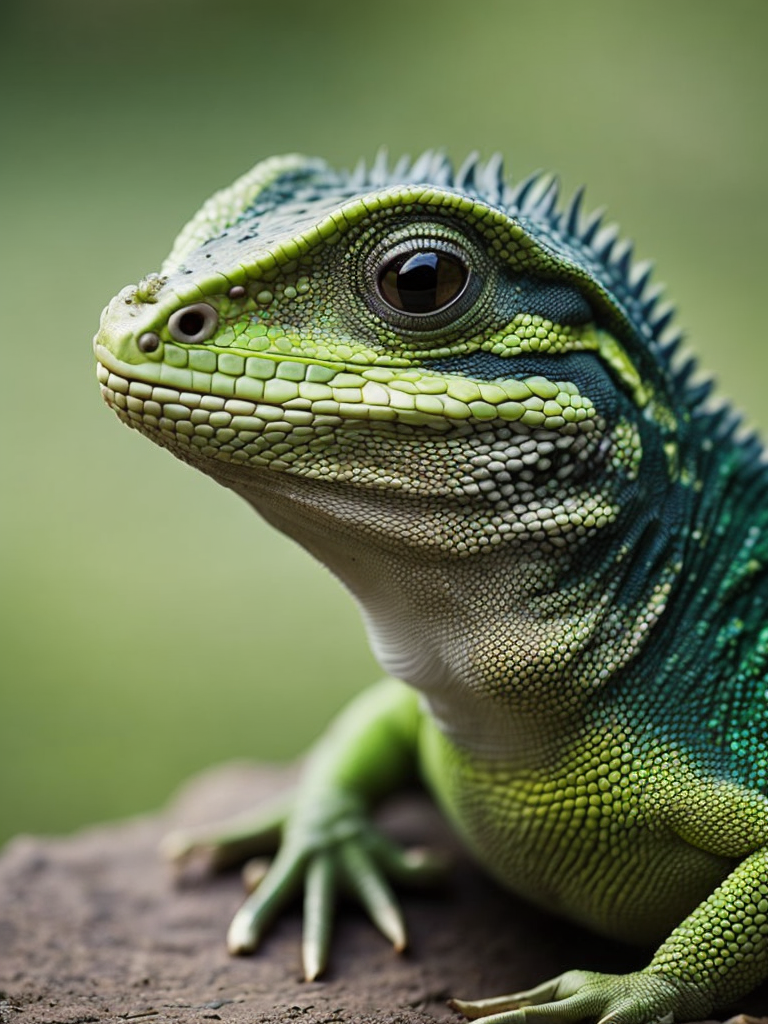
(506, 647)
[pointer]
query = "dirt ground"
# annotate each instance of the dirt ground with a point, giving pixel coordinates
(94, 929)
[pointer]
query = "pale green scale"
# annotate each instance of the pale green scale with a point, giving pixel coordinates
(420, 392)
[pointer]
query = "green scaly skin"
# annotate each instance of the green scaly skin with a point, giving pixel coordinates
(465, 403)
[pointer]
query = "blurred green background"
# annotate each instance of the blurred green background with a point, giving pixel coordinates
(151, 625)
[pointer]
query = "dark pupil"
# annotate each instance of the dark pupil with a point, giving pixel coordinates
(422, 283)
(191, 323)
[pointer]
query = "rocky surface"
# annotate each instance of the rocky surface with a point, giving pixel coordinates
(94, 929)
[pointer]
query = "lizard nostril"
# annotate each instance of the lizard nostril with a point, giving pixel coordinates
(148, 342)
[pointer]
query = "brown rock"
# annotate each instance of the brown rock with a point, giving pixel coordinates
(92, 928)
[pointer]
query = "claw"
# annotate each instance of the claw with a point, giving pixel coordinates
(254, 916)
(578, 996)
(254, 872)
(544, 993)
(373, 891)
(180, 847)
(477, 1008)
(231, 841)
(318, 915)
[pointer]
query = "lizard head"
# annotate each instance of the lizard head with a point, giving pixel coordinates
(411, 333)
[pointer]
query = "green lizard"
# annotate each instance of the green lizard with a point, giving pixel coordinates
(465, 402)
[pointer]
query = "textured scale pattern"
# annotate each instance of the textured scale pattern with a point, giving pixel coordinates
(550, 532)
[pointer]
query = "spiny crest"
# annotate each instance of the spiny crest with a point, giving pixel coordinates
(724, 425)
(535, 198)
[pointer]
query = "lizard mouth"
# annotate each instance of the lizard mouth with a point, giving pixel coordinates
(333, 431)
(416, 397)
(373, 429)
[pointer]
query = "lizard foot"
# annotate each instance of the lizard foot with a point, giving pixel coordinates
(322, 846)
(638, 998)
(346, 853)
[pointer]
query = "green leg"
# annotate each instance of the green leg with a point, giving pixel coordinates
(325, 837)
(717, 954)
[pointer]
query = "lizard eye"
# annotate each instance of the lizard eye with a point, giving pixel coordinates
(193, 323)
(423, 278)
(422, 282)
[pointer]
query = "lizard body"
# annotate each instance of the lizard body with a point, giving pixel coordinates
(465, 402)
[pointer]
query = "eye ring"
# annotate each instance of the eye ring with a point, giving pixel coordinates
(193, 324)
(424, 279)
